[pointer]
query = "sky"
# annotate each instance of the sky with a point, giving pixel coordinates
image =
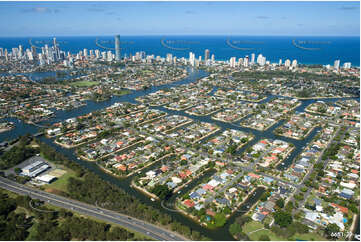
(24, 19)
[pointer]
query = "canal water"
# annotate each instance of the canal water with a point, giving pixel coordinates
(22, 128)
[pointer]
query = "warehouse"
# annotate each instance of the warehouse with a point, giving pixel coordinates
(35, 168)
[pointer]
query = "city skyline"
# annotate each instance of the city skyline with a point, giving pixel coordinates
(212, 18)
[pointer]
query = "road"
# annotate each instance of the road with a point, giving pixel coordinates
(319, 159)
(125, 221)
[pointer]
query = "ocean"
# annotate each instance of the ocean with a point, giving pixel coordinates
(306, 50)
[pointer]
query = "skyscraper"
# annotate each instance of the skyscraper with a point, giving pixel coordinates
(55, 48)
(191, 58)
(287, 63)
(117, 47)
(206, 55)
(33, 51)
(347, 65)
(232, 62)
(336, 65)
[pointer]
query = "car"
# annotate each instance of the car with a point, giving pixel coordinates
(147, 232)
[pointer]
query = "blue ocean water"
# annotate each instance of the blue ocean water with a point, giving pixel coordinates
(307, 50)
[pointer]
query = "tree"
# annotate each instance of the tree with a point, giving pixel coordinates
(280, 203)
(331, 230)
(329, 210)
(282, 218)
(162, 191)
(264, 196)
(235, 228)
(264, 237)
(17, 170)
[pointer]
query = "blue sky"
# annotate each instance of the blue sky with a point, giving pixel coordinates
(184, 18)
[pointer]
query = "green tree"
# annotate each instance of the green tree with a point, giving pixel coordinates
(264, 237)
(235, 228)
(280, 203)
(331, 230)
(282, 218)
(162, 191)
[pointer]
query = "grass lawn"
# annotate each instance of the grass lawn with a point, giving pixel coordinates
(62, 182)
(84, 83)
(32, 232)
(309, 236)
(122, 92)
(252, 226)
(218, 221)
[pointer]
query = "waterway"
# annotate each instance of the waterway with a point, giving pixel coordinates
(22, 128)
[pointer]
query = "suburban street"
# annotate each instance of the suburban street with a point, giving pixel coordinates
(125, 221)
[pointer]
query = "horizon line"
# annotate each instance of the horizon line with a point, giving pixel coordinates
(165, 35)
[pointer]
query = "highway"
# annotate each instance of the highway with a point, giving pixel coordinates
(125, 221)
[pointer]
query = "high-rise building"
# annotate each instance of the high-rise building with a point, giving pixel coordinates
(20, 53)
(212, 58)
(109, 56)
(97, 54)
(85, 52)
(56, 49)
(232, 62)
(280, 62)
(29, 55)
(336, 65)
(206, 55)
(347, 65)
(253, 56)
(191, 58)
(287, 63)
(294, 63)
(54, 43)
(261, 60)
(169, 58)
(6, 54)
(33, 51)
(117, 48)
(246, 61)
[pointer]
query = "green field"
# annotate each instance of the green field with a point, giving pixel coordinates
(84, 83)
(62, 182)
(252, 226)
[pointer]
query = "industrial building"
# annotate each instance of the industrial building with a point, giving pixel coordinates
(46, 178)
(35, 168)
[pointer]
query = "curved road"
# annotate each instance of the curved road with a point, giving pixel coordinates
(125, 221)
